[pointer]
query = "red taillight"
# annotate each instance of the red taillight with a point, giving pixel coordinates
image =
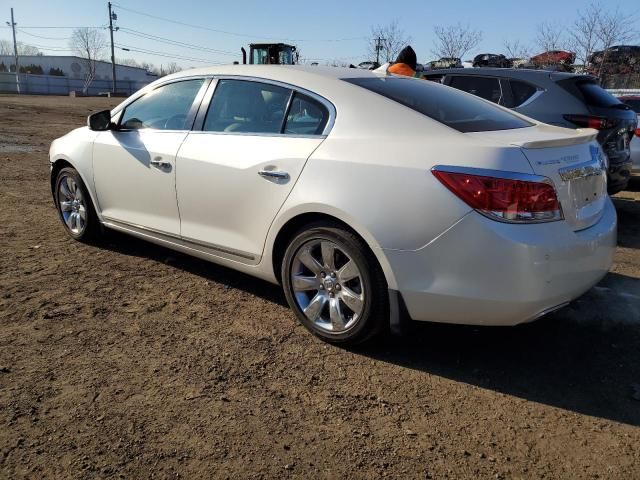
(590, 121)
(504, 199)
(637, 132)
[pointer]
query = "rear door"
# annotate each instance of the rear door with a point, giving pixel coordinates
(236, 172)
(134, 165)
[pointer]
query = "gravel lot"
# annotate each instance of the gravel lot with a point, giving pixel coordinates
(128, 360)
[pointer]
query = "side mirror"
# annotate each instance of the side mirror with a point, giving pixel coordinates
(99, 121)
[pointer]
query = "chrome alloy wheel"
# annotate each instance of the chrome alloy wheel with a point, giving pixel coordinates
(72, 204)
(327, 285)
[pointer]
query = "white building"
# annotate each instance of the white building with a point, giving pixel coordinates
(75, 67)
(74, 72)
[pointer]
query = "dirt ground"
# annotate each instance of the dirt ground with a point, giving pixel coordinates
(128, 360)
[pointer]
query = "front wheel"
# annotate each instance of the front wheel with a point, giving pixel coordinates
(74, 206)
(334, 284)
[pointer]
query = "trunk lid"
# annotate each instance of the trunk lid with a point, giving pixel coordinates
(572, 159)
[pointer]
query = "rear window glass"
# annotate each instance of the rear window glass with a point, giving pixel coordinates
(596, 96)
(521, 92)
(485, 87)
(446, 105)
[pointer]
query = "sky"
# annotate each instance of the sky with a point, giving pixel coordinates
(324, 31)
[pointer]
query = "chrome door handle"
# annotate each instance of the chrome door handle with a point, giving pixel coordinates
(273, 174)
(161, 164)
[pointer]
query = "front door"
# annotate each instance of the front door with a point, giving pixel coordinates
(235, 174)
(135, 164)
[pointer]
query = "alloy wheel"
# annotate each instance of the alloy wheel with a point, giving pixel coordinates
(327, 285)
(72, 204)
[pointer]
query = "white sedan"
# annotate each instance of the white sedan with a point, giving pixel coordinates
(371, 198)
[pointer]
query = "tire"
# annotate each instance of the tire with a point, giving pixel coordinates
(74, 206)
(343, 306)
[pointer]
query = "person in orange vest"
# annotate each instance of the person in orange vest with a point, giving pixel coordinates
(406, 63)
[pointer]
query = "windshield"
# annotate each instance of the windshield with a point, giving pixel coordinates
(458, 110)
(597, 96)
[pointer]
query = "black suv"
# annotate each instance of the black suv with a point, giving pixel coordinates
(562, 99)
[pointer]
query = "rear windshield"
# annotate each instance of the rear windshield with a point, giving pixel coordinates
(596, 96)
(449, 106)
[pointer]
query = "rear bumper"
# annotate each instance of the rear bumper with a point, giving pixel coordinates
(482, 272)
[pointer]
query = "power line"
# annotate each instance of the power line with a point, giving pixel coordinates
(190, 24)
(225, 32)
(176, 43)
(40, 36)
(130, 48)
(69, 28)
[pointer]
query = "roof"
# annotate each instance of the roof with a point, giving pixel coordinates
(503, 72)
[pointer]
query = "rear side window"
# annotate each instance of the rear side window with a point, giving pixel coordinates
(520, 92)
(485, 87)
(247, 107)
(443, 104)
(595, 95)
(306, 116)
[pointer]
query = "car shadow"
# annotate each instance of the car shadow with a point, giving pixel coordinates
(628, 210)
(132, 246)
(584, 358)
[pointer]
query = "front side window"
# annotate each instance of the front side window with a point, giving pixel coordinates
(443, 104)
(306, 116)
(247, 106)
(484, 87)
(165, 108)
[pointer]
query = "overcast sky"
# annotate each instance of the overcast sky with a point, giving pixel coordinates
(324, 31)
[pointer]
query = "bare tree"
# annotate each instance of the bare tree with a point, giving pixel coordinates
(89, 44)
(172, 68)
(584, 33)
(454, 41)
(516, 49)
(6, 48)
(392, 40)
(614, 27)
(129, 62)
(550, 36)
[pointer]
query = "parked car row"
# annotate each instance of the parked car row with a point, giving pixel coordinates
(371, 198)
(561, 99)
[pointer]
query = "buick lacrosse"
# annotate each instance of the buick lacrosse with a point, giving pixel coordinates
(372, 199)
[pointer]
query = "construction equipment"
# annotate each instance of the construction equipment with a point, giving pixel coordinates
(270, 54)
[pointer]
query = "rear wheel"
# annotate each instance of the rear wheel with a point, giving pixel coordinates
(334, 284)
(74, 206)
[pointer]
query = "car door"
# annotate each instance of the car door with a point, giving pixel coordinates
(236, 172)
(134, 163)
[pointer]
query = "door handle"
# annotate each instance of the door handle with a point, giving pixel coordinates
(273, 174)
(160, 164)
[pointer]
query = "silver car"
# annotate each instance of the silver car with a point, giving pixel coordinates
(634, 102)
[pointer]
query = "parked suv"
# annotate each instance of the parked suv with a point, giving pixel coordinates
(562, 99)
(634, 102)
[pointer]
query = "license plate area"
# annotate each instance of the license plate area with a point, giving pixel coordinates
(586, 187)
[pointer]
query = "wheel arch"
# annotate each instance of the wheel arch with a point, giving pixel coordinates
(63, 162)
(287, 226)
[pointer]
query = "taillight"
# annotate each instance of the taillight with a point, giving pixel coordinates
(637, 132)
(504, 199)
(591, 121)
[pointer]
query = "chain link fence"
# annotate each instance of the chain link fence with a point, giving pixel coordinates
(59, 85)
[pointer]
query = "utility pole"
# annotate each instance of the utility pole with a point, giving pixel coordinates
(15, 50)
(379, 41)
(112, 17)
